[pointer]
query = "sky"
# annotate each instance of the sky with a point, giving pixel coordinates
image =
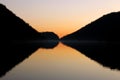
(61, 16)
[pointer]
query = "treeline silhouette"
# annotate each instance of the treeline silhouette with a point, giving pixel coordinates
(99, 40)
(19, 40)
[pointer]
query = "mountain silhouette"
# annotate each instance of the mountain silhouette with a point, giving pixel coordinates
(13, 28)
(106, 28)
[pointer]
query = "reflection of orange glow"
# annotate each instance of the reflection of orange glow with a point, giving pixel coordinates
(60, 52)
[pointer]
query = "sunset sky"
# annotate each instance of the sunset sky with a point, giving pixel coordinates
(60, 16)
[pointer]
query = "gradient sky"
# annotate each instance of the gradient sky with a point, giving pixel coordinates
(61, 16)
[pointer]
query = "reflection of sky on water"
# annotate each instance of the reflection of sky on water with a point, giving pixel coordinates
(60, 63)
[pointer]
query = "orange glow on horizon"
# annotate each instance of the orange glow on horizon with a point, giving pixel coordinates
(62, 28)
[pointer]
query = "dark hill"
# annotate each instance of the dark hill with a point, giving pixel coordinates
(106, 28)
(13, 28)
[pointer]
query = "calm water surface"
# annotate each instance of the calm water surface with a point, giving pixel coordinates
(60, 63)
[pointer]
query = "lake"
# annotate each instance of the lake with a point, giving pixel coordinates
(60, 63)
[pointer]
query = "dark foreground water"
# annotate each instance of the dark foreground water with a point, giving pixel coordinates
(60, 63)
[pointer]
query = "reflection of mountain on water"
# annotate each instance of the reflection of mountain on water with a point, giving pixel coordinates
(13, 54)
(106, 54)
